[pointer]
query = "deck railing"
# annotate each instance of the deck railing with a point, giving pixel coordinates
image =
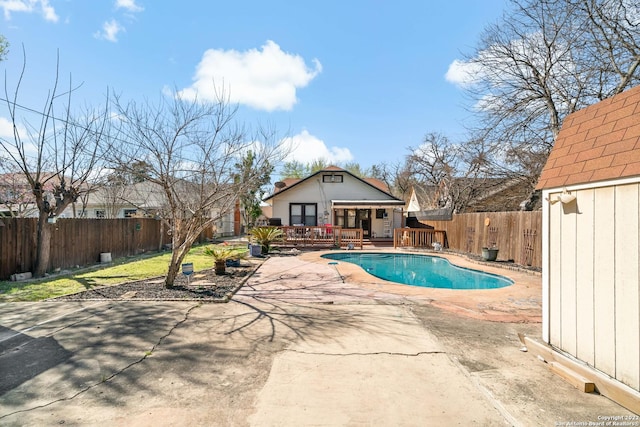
(418, 238)
(321, 236)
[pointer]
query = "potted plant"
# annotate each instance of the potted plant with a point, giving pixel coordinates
(221, 255)
(490, 252)
(234, 260)
(265, 236)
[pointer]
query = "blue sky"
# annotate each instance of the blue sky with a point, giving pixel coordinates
(348, 81)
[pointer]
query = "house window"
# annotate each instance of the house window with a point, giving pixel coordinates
(346, 218)
(331, 178)
(303, 213)
(130, 213)
(101, 213)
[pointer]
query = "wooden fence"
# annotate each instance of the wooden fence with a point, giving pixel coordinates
(77, 242)
(517, 235)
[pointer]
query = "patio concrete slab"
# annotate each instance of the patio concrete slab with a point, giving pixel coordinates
(303, 343)
(389, 372)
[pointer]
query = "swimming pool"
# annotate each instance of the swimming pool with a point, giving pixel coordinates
(422, 270)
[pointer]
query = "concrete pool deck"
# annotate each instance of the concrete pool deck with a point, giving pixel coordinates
(302, 343)
(520, 302)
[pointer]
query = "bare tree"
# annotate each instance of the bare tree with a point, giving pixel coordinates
(4, 47)
(614, 29)
(191, 150)
(542, 61)
(55, 151)
(454, 172)
(398, 177)
(526, 77)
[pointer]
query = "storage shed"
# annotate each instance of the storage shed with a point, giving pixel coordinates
(591, 244)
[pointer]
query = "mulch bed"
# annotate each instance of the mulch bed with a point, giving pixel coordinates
(203, 286)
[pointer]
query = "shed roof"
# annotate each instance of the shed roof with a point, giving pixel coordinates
(598, 143)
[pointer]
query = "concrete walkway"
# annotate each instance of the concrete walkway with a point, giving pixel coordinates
(386, 371)
(302, 343)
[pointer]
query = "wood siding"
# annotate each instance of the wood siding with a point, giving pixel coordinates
(594, 279)
(517, 234)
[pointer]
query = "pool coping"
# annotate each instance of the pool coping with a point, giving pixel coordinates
(520, 302)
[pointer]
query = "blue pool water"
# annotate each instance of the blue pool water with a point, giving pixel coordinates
(421, 270)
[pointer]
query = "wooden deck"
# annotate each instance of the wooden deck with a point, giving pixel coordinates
(321, 236)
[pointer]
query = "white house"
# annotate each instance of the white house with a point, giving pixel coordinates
(337, 197)
(143, 199)
(591, 239)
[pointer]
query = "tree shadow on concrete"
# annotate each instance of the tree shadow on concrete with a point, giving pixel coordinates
(23, 357)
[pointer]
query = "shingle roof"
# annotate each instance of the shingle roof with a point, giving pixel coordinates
(290, 182)
(597, 143)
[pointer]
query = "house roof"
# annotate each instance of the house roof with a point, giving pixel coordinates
(289, 183)
(492, 195)
(600, 142)
(344, 204)
(143, 195)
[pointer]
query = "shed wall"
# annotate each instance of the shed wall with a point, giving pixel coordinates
(593, 278)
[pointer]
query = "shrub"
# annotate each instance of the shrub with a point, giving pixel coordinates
(265, 236)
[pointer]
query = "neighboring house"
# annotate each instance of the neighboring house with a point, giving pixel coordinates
(335, 196)
(422, 204)
(504, 195)
(479, 195)
(142, 199)
(17, 199)
(591, 239)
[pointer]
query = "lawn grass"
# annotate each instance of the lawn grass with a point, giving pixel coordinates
(121, 270)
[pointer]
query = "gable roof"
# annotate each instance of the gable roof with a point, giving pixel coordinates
(488, 195)
(142, 195)
(597, 143)
(292, 182)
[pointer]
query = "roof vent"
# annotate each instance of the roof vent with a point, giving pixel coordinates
(280, 185)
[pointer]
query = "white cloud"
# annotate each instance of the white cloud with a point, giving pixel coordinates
(29, 6)
(6, 128)
(129, 5)
(463, 73)
(8, 141)
(306, 148)
(110, 31)
(48, 11)
(265, 79)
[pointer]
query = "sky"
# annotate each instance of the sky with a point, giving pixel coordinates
(347, 81)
